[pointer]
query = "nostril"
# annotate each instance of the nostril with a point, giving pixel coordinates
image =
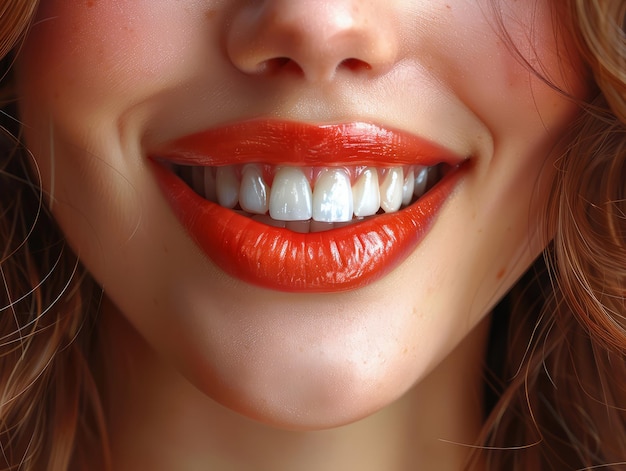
(287, 65)
(279, 64)
(274, 37)
(354, 65)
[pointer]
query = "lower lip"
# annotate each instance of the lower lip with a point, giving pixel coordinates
(337, 260)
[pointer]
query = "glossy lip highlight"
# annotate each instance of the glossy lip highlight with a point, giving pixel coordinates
(293, 143)
(337, 260)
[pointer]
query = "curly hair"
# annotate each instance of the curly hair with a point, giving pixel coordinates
(559, 393)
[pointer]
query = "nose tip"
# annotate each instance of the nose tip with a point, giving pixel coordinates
(316, 39)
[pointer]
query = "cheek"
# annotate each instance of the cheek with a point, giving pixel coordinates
(82, 52)
(509, 67)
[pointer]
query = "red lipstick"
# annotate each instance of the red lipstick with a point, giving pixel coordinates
(340, 259)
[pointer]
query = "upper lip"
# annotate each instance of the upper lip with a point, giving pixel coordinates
(296, 143)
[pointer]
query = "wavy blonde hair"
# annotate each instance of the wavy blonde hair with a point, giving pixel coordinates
(560, 391)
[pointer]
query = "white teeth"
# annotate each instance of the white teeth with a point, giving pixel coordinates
(408, 187)
(290, 202)
(391, 190)
(290, 198)
(227, 185)
(421, 180)
(332, 197)
(365, 194)
(253, 192)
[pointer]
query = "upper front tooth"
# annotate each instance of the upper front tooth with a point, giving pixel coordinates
(290, 198)
(365, 194)
(332, 197)
(227, 185)
(253, 193)
(391, 190)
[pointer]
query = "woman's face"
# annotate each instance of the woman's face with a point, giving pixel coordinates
(139, 112)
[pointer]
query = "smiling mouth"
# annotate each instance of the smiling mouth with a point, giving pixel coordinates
(303, 208)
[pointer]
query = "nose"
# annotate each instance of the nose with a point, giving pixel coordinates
(316, 39)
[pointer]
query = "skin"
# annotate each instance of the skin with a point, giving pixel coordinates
(103, 82)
